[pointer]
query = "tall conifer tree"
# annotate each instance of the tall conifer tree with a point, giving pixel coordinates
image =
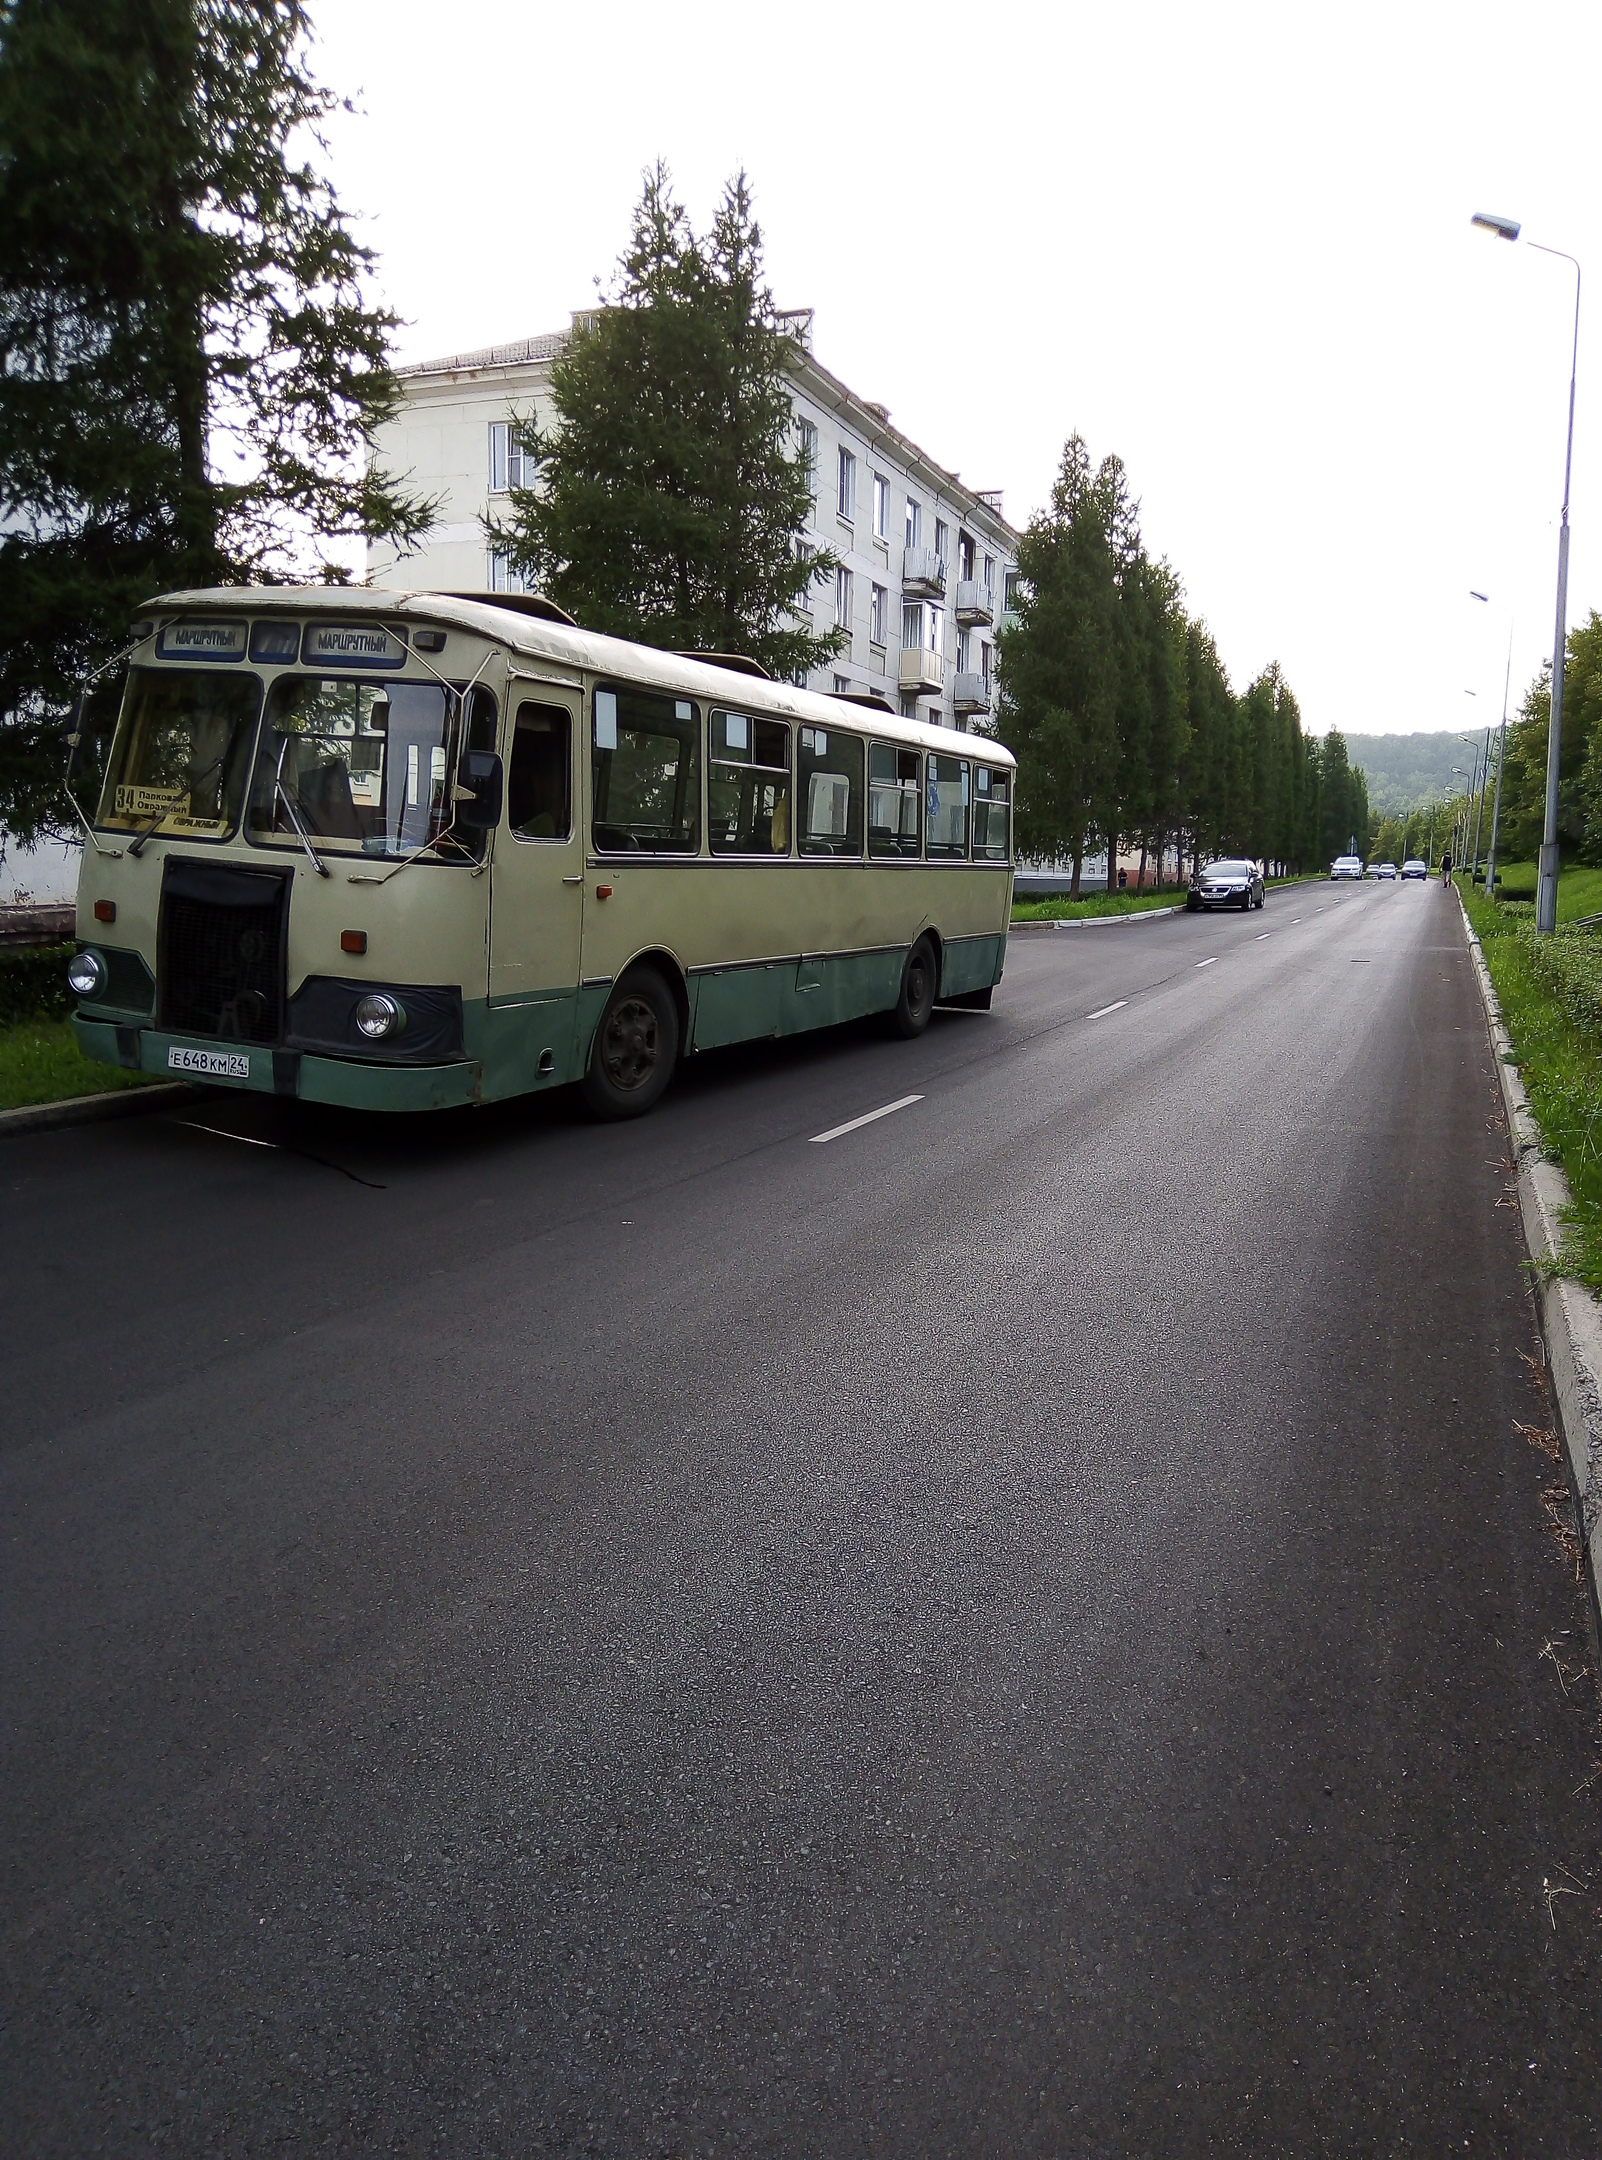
(671, 492)
(189, 372)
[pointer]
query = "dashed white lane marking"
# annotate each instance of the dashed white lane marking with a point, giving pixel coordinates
(1295, 919)
(902, 1102)
(1213, 962)
(1262, 934)
(1102, 1011)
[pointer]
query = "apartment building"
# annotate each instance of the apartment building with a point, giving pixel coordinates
(924, 561)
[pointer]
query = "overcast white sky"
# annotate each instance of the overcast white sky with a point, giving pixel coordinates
(1230, 242)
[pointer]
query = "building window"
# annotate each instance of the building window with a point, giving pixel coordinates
(990, 573)
(842, 598)
(914, 534)
(942, 536)
(502, 577)
(923, 626)
(842, 685)
(510, 465)
(1010, 600)
(964, 652)
(846, 502)
(878, 610)
(984, 660)
(809, 457)
(965, 558)
(881, 507)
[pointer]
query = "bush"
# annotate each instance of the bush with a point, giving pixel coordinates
(33, 983)
(1570, 961)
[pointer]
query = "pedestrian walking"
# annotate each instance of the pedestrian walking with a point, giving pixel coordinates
(1446, 869)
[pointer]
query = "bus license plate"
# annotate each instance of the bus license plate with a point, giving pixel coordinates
(227, 1064)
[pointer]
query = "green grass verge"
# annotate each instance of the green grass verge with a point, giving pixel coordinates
(1117, 903)
(1550, 991)
(1579, 890)
(40, 1063)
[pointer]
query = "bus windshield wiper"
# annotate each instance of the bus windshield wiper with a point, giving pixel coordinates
(301, 834)
(196, 780)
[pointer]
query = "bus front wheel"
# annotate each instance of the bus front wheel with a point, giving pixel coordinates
(636, 1047)
(919, 982)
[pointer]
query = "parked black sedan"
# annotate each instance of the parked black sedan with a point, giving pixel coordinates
(1226, 884)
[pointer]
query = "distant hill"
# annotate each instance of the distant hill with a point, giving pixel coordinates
(1406, 771)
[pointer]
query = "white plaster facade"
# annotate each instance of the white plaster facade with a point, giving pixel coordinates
(925, 560)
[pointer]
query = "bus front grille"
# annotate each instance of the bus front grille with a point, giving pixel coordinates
(220, 956)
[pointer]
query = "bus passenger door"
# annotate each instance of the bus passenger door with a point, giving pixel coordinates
(537, 886)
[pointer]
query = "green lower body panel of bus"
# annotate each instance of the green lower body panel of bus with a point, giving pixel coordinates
(526, 1044)
(355, 1083)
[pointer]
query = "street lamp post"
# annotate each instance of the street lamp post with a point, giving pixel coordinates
(1547, 875)
(1479, 799)
(1501, 761)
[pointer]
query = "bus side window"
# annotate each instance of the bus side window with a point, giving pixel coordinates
(539, 779)
(948, 806)
(829, 773)
(748, 785)
(991, 805)
(893, 799)
(646, 773)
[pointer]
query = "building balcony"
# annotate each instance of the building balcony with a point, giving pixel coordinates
(923, 673)
(970, 693)
(975, 603)
(923, 573)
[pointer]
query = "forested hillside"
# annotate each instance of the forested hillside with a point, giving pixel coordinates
(1407, 771)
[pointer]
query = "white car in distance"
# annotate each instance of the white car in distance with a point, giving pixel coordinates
(1347, 866)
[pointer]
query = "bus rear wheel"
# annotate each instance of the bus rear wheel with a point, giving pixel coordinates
(636, 1047)
(919, 982)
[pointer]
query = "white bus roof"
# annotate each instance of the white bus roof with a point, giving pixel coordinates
(560, 644)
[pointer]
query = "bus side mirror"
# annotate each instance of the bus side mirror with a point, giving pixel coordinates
(478, 791)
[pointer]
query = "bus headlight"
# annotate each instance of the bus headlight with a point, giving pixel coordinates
(379, 1016)
(86, 974)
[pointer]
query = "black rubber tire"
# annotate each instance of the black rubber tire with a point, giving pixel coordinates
(920, 979)
(1246, 901)
(636, 1047)
(1192, 904)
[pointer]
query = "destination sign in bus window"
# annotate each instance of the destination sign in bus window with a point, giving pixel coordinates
(179, 756)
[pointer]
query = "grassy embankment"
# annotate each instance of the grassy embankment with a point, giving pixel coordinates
(1551, 996)
(39, 1061)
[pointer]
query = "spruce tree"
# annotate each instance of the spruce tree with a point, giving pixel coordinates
(1059, 669)
(189, 371)
(671, 493)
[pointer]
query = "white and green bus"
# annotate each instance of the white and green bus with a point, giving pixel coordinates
(407, 851)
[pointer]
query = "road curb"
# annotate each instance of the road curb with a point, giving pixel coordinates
(90, 1109)
(1570, 1316)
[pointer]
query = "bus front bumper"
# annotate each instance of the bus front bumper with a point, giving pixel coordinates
(353, 1083)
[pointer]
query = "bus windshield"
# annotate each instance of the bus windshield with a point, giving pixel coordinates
(363, 766)
(180, 753)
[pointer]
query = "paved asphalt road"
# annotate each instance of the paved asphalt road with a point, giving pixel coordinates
(1026, 1629)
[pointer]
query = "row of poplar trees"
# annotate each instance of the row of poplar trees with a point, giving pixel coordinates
(1127, 732)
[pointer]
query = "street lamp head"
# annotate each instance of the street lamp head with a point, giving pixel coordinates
(1505, 228)
(1480, 596)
